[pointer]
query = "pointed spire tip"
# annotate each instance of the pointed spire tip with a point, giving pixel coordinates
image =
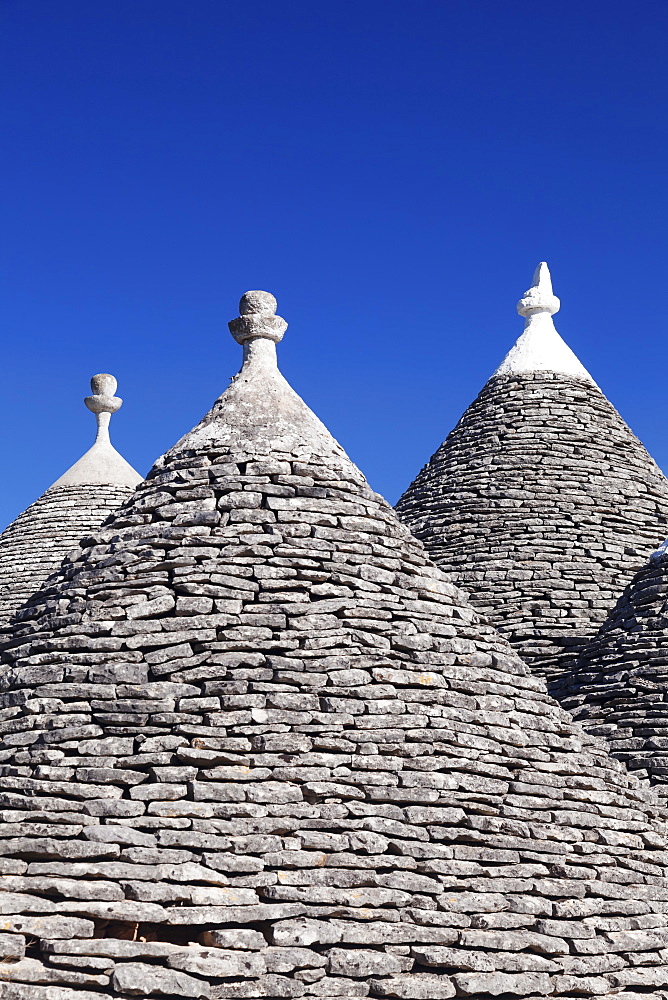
(540, 297)
(541, 276)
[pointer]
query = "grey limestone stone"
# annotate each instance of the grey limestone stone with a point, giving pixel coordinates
(495, 983)
(139, 979)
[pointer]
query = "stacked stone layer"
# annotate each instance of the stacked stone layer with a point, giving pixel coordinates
(34, 545)
(619, 686)
(542, 504)
(254, 744)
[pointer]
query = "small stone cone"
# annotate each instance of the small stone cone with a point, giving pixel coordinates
(33, 546)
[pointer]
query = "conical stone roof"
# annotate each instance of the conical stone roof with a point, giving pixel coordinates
(541, 502)
(33, 546)
(619, 686)
(254, 744)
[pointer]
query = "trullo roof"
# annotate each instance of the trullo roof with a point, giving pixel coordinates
(256, 745)
(541, 502)
(619, 686)
(33, 545)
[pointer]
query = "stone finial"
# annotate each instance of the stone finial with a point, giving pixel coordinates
(103, 402)
(103, 399)
(540, 297)
(258, 319)
(101, 464)
(540, 348)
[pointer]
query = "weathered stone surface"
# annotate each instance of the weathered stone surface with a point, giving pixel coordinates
(416, 986)
(494, 983)
(361, 962)
(48, 927)
(29, 970)
(12, 946)
(138, 979)
(17, 991)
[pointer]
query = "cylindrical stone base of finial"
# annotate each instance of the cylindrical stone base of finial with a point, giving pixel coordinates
(257, 319)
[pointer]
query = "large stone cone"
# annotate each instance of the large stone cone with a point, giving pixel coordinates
(256, 745)
(619, 686)
(542, 504)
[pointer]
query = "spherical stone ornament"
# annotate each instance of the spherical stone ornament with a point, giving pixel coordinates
(258, 319)
(103, 399)
(104, 384)
(260, 302)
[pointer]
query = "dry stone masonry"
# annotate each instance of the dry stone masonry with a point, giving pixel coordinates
(541, 502)
(33, 545)
(619, 686)
(255, 744)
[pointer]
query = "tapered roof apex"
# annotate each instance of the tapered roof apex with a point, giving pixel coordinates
(260, 413)
(101, 464)
(540, 348)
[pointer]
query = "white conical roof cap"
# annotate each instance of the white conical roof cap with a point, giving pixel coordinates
(540, 348)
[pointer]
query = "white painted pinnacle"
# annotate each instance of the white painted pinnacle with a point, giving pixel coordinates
(540, 348)
(101, 464)
(540, 297)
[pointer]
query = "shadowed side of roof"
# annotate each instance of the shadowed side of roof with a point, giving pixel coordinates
(619, 685)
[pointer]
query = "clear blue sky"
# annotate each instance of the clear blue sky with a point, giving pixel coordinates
(391, 169)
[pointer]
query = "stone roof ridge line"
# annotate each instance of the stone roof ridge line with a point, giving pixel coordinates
(540, 347)
(101, 464)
